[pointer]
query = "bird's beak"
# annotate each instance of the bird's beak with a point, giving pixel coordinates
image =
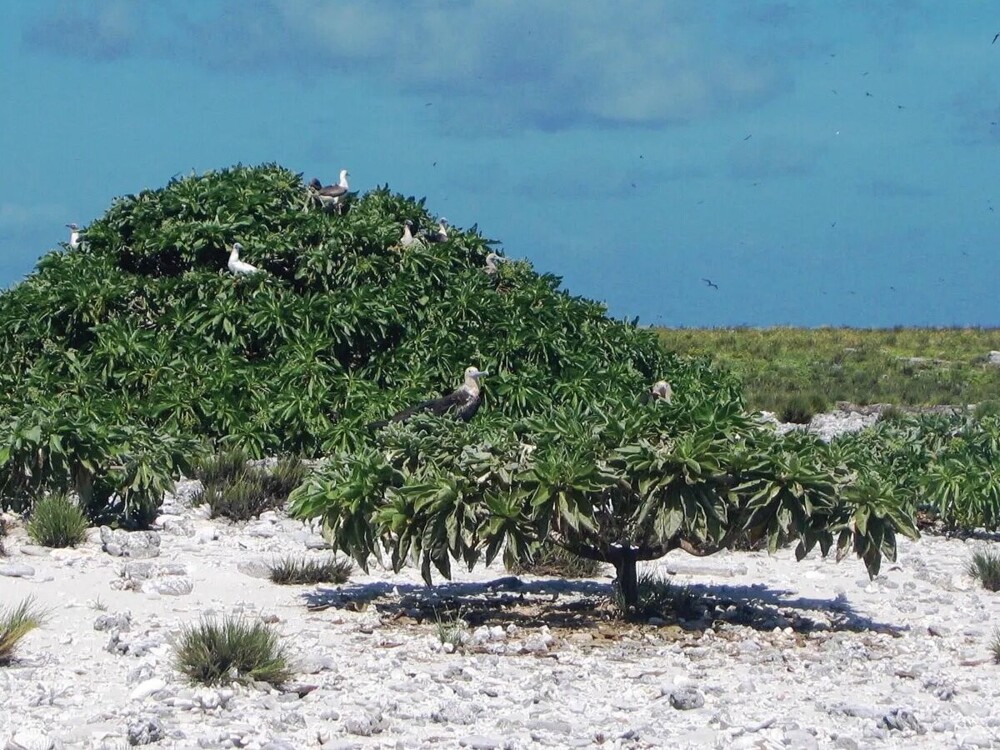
(480, 373)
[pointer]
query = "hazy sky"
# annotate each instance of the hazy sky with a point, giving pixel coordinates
(821, 162)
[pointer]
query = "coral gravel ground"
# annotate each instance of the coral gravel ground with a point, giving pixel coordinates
(800, 655)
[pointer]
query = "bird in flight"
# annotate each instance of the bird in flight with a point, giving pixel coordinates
(711, 283)
(995, 39)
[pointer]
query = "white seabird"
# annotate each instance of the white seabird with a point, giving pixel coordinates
(407, 239)
(491, 263)
(238, 267)
(74, 235)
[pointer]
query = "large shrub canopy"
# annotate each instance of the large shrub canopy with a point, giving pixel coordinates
(114, 356)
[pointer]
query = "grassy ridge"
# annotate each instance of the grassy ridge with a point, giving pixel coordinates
(799, 371)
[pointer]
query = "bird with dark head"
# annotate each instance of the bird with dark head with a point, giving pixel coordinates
(74, 235)
(462, 403)
(330, 196)
(436, 235)
(660, 391)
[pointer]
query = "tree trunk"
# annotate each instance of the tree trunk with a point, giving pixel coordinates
(628, 580)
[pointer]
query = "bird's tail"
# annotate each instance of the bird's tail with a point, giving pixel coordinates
(376, 426)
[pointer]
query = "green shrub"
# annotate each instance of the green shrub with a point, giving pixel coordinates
(234, 651)
(15, 624)
(552, 560)
(985, 568)
(56, 521)
(799, 408)
(292, 571)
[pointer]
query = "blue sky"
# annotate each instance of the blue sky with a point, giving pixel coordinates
(823, 163)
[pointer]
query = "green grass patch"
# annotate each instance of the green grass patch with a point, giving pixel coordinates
(234, 650)
(56, 521)
(794, 371)
(15, 624)
(295, 571)
(659, 598)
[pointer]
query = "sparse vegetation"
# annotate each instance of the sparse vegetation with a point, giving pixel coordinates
(56, 521)
(296, 571)
(658, 598)
(995, 646)
(238, 491)
(236, 650)
(552, 560)
(794, 371)
(452, 630)
(985, 568)
(15, 624)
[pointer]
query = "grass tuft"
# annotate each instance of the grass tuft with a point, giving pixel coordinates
(985, 568)
(56, 521)
(659, 598)
(234, 651)
(451, 630)
(995, 646)
(240, 492)
(552, 560)
(292, 571)
(15, 624)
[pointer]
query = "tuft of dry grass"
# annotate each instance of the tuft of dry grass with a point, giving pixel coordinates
(985, 568)
(235, 650)
(293, 571)
(15, 624)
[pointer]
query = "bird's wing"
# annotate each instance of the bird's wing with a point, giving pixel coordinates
(456, 400)
(332, 191)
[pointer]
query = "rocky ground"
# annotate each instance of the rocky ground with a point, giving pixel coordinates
(773, 653)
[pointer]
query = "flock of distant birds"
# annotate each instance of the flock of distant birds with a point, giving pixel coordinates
(464, 401)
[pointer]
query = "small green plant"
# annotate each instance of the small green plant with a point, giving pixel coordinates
(659, 598)
(56, 521)
(995, 646)
(985, 568)
(98, 604)
(15, 624)
(451, 630)
(234, 651)
(552, 560)
(292, 571)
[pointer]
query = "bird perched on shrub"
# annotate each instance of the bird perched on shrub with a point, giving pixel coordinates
(407, 239)
(462, 403)
(435, 235)
(74, 236)
(661, 391)
(331, 195)
(238, 267)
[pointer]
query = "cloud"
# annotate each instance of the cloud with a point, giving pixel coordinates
(107, 32)
(547, 64)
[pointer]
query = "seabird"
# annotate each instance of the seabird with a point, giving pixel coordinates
(491, 263)
(995, 39)
(661, 391)
(237, 266)
(329, 196)
(711, 283)
(407, 239)
(462, 403)
(438, 235)
(74, 235)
